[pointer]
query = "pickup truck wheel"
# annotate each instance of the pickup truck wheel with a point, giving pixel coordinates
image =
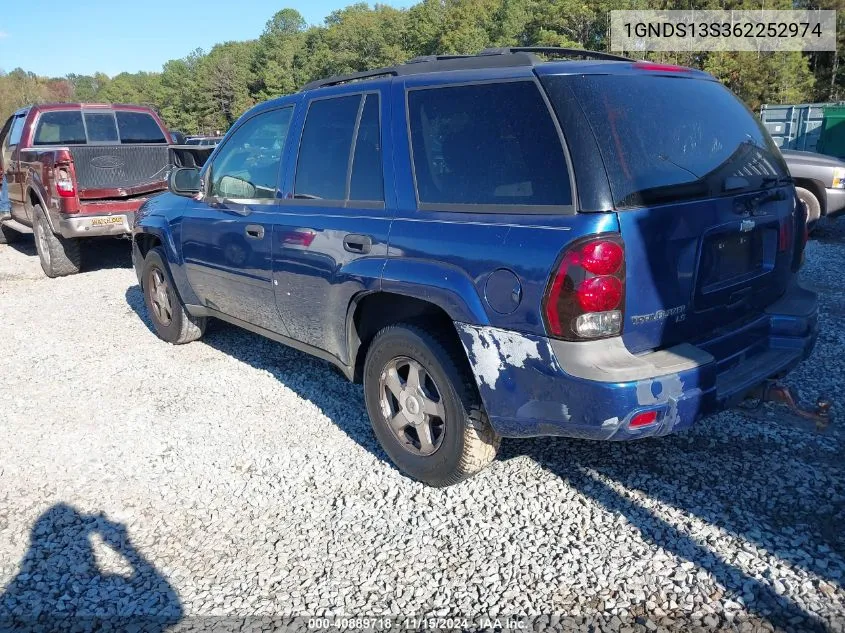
(171, 321)
(424, 407)
(814, 209)
(59, 256)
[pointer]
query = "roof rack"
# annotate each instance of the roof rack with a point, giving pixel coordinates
(557, 51)
(488, 58)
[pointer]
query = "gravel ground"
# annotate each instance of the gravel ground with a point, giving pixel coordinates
(235, 477)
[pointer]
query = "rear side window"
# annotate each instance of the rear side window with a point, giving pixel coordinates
(665, 139)
(487, 144)
(60, 128)
(367, 182)
(324, 150)
(101, 127)
(139, 127)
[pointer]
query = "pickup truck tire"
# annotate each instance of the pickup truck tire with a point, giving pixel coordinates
(439, 433)
(59, 256)
(814, 209)
(8, 236)
(171, 321)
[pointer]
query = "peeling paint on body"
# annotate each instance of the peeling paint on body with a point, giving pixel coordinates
(493, 351)
(659, 390)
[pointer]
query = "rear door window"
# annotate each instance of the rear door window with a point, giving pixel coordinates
(492, 144)
(101, 127)
(367, 180)
(139, 127)
(665, 139)
(60, 128)
(323, 163)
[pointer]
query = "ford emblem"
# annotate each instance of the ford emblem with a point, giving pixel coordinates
(107, 162)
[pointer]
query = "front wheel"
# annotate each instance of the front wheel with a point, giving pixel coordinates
(171, 321)
(424, 407)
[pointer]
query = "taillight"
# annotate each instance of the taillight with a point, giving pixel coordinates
(785, 234)
(586, 295)
(64, 183)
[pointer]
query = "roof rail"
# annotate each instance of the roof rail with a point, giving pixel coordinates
(488, 58)
(342, 79)
(556, 51)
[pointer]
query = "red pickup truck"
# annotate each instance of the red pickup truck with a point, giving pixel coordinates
(77, 171)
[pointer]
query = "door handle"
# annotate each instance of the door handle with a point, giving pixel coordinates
(254, 231)
(357, 244)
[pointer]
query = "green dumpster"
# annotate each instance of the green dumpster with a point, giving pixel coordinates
(832, 140)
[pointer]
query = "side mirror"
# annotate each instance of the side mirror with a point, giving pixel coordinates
(185, 181)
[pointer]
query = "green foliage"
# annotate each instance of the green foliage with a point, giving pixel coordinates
(206, 92)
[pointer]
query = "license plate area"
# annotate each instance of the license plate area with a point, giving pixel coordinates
(728, 258)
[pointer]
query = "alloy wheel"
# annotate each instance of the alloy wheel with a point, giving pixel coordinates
(412, 406)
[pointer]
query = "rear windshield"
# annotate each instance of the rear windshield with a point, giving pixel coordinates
(665, 139)
(68, 128)
(138, 127)
(60, 128)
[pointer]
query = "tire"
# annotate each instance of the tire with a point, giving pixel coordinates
(8, 236)
(814, 209)
(171, 321)
(59, 256)
(462, 439)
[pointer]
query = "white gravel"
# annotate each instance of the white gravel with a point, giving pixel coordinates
(235, 477)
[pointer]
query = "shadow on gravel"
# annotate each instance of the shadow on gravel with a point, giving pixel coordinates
(311, 378)
(97, 253)
(748, 491)
(62, 585)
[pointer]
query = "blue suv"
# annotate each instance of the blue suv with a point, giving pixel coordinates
(497, 246)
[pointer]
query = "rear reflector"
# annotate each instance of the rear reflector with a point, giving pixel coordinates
(643, 419)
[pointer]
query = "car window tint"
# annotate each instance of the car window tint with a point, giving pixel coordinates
(60, 128)
(100, 127)
(324, 149)
(17, 130)
(248, 165)
(665, 139)
(139, 127)
(487, 144)
(367, 181)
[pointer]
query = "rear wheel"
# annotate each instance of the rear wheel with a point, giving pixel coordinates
(171, 321)
(424, 407)
(59, 256)
(814, 209)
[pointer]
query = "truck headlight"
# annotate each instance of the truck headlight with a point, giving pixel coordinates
(839, 178)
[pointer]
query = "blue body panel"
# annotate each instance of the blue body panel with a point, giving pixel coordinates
(490, 272)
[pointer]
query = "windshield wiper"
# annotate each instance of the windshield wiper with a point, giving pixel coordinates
(306, 196)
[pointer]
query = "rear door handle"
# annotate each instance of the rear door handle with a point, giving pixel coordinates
(358, 244)
(254, 231)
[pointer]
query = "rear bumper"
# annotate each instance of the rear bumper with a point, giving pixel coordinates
(108, 218)
(535, 386)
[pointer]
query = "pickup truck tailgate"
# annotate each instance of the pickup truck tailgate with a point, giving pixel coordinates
(119, 167)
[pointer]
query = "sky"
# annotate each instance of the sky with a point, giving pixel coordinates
(88, 36)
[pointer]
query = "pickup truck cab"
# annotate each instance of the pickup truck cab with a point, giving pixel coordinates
(77, 171)
(497, 246)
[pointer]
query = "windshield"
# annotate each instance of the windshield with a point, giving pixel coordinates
(665, 139)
